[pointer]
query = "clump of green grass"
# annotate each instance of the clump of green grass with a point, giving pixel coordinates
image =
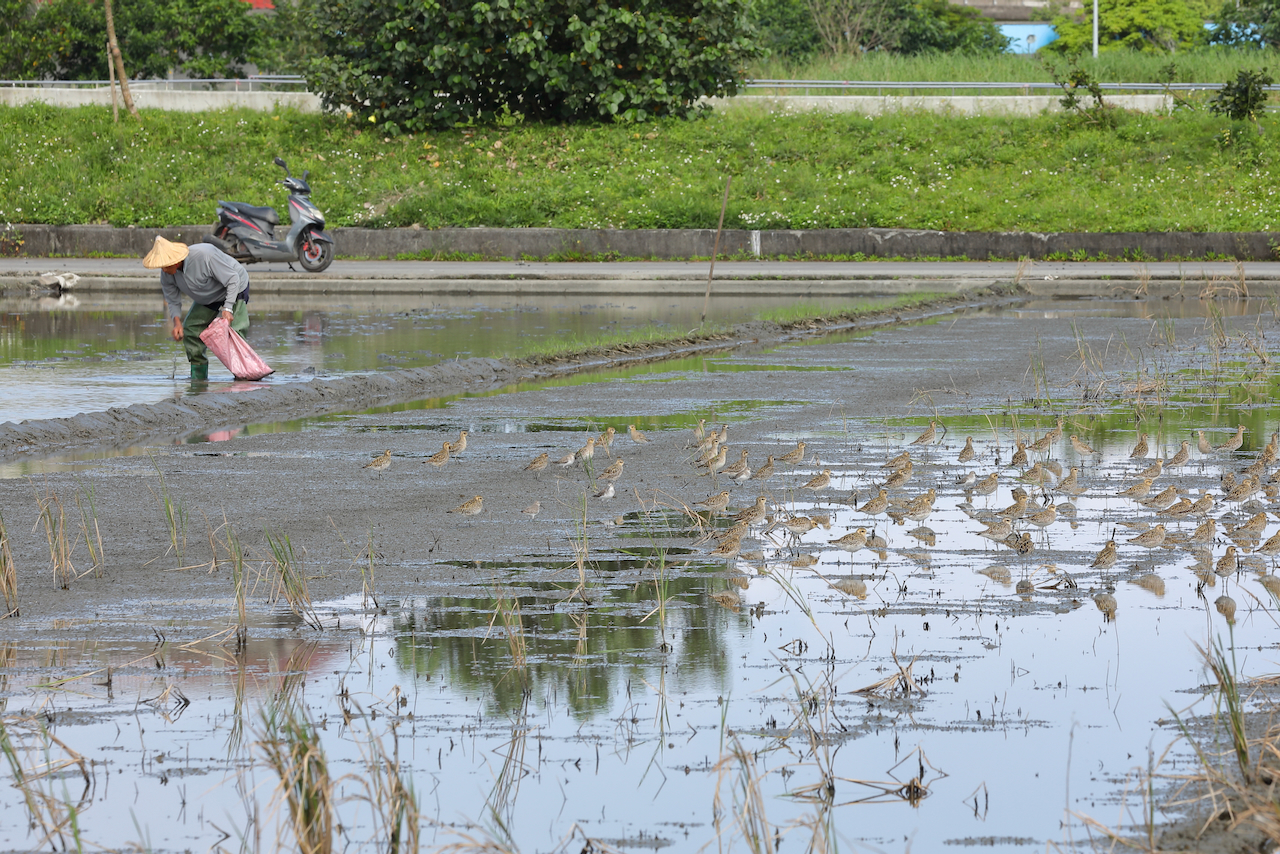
(807, 311)
(551, 349)
(1232, 705)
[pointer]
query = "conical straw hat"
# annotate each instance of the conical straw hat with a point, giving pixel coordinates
(164, 253)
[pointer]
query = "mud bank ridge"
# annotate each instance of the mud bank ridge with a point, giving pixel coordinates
(293, 400)
(283, 402)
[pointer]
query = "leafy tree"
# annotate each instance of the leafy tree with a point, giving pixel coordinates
(786, 29)
(284, 44)
(854, 27)
(201, 38)
(410, 65)
(1143, 25)
(938, 25)
(21, 56)
(1249, 23)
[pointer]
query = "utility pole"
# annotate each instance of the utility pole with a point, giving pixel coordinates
(1095, 28)
(118, 62)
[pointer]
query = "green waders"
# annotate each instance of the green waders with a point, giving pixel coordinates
(197, 321)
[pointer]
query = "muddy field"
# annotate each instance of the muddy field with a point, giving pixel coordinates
(593, 670)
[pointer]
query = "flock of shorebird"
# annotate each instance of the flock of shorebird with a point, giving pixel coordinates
(1043, 496)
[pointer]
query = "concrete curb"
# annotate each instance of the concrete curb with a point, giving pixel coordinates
(665, 244)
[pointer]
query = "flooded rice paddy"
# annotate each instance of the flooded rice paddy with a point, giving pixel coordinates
(63, 356)
(597, 673)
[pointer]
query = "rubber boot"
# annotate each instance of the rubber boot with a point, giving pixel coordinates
(200, 373)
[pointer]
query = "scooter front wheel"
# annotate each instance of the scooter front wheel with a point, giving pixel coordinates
(315, 255)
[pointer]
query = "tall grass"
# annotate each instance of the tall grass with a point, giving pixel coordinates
(744, 804)
(1202, 66)
(1232, 705)
(240, 583)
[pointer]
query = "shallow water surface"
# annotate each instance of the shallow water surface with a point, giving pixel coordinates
(626, 686)
(634, 697)
(101, 351)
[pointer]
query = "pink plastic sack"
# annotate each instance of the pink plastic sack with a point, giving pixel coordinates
(233, 351)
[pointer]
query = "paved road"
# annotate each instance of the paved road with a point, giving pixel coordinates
(685, 270)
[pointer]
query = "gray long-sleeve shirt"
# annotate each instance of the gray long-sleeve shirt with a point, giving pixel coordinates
(208, 276)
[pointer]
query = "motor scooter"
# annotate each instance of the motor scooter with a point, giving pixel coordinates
(247, 232)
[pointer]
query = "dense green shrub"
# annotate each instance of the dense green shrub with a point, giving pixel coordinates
(408, 65)
(1244, 98)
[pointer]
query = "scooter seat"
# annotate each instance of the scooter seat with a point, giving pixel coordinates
(267, 215)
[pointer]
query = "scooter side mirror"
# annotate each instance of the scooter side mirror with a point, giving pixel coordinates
(306, 174)
(279, 162)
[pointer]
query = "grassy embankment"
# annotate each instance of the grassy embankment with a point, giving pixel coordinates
(1189, 171)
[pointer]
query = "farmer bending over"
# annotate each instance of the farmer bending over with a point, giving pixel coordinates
(215, 282)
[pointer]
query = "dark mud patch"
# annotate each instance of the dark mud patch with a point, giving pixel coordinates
(249, 403)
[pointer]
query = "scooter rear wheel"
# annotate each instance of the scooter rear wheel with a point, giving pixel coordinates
(315, 255)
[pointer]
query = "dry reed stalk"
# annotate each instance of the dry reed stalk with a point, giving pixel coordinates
(747, 804)
(53, 516)
(902, 681)
(367, 586)
(56, 816)
(8, 574)
(240, 582)
(175, 514)
(1240, 286)
(92, 541)
(290, 580)
(501, 802)
(507, 608)
(290, 745)
(390, 795)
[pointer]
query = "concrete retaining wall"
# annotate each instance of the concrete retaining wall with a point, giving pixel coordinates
(959, 105)
(149, 98)
(515, 243)
(146, 98)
